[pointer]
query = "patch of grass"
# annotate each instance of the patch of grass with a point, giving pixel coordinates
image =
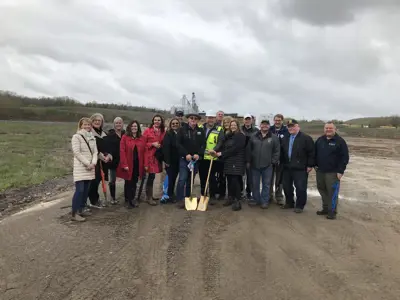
(32, 153)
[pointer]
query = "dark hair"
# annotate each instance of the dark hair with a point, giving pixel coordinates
(162, 125)
(280, 116)
(129, 129)
(174, 119)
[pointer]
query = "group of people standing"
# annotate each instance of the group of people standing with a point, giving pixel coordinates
(279, 157)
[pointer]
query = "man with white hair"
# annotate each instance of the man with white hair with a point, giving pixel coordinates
(332, 157)
(212, 131)
(220, 116)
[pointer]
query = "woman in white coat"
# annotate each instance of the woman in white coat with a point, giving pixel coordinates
(85, 158)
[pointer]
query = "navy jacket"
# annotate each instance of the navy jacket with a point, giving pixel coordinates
(281, 133)
(332, 156)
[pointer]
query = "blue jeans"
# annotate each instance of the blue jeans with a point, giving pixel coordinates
(80, 195)
(265, 174)
(185, 179)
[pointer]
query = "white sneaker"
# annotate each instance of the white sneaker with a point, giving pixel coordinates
(78, 218)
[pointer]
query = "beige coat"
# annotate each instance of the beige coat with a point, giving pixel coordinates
(82, 156)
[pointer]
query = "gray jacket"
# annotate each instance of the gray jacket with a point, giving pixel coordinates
(262, 152)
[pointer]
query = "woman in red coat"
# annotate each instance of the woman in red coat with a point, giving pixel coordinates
(153, 137)
(131, 165)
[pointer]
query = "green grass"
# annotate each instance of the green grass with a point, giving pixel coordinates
(33, 153)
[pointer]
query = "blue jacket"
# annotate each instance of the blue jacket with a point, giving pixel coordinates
(282, 132)
(331, 156)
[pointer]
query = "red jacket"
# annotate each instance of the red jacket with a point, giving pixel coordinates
(127, 145)
(150, 136)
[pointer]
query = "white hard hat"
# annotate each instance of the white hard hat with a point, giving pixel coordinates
(210, 113)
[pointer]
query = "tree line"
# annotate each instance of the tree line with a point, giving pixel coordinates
(13, 100)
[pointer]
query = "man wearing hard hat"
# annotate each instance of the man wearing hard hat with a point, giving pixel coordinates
(212, 131)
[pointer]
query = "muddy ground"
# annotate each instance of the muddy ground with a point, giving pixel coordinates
(165, 253)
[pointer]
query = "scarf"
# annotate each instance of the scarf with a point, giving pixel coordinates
(88, 135)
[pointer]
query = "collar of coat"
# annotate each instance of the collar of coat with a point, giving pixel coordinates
(259, 135)
(95, 134)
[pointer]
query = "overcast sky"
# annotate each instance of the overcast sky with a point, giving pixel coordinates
(308, 58)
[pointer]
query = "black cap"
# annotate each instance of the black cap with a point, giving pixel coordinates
(291, 122)
(265, 122)
(179, 113)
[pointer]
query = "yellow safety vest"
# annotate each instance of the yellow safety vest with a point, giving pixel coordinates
(212, 141)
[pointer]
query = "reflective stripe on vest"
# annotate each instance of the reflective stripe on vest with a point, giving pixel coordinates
(212, 141)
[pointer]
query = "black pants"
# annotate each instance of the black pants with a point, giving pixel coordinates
(300, 180)
(94, 196)
(172, 172)
(249, 186)
(234, 186)
(221, 178)
(150, 180)
(203, 173)
(130, 187)
(277, 182)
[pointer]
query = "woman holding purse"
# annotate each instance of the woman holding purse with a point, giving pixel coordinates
(85, 159)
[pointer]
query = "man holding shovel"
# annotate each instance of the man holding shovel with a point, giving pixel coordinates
(332, 157)
(212, 131)
(190, 141)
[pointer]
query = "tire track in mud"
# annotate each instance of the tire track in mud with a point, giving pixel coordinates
(216, 223)
(177, 237)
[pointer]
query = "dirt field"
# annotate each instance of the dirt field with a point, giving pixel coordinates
(165, 253)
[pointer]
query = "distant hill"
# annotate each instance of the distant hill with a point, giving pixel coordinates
(374, 122)
(65, 109)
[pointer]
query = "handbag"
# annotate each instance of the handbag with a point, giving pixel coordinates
(159, 154)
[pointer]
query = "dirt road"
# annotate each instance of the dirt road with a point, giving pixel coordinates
(165, 253)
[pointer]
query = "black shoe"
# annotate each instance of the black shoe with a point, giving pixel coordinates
(236, 205)
(322, 212)
(228, 202)
(287, 206)
(298, 210)
(212, 201)
(181, 204)
(331, 216)
(253, 203)
(264, 206)
(221, 197)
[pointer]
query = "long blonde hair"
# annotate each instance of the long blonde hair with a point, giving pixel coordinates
(227, 119)
(83, 120)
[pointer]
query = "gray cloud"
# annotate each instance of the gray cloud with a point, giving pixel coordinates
(310, 59)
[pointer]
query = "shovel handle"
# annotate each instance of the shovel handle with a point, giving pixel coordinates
(191, 182)
(208, 177)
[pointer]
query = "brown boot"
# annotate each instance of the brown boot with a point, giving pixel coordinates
(149, 196)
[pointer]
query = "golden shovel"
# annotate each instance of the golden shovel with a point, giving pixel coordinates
(204, 199)
(191, 201)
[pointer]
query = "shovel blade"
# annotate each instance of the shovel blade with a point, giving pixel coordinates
(203, 203)
(191, 203)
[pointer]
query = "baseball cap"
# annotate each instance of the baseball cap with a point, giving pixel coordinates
(265, 121)
(291, 122)
(179, 113)
(248, 116)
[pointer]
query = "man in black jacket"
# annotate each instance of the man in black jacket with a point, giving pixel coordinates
(249, 130)
(332, 157)
(280, 131)
(263, 151)
(297, 157)
(190, 142)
